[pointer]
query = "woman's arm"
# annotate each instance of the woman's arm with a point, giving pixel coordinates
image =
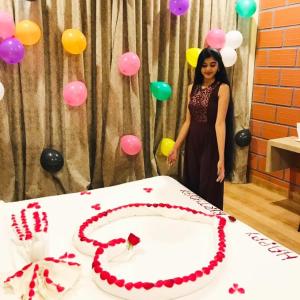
(183, 131)
(220, 126)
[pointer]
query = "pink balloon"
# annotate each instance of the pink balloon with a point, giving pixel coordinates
(216, 38)
(75, 93)
(130, 144)
(7, 25)
(129, 64)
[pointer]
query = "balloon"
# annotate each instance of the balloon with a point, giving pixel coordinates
(73, 41)
(130, 144)
(245, 8)
(1, 91)
(51, 160)
(11, 51)
(28, 32)
(75, 93)
(179, 7)
(192, 55)
(161, 90)
(243, 137)
(166, 146)
(234, 39)
(216, 38)
(229, 56)
(129, 63)
(7, 25)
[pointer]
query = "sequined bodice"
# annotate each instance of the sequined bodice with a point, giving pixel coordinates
(198, 104)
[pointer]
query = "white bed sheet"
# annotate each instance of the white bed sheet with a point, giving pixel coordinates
(262, 267)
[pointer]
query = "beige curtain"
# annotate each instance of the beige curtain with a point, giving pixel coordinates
(34, 116)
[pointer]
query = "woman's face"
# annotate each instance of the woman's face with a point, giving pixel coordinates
(209, 68)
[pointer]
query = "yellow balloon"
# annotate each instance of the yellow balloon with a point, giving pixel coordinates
(73, 41)
(166, 146)
(192, 56)
(28, 32)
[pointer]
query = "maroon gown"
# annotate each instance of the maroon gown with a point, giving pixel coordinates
(201, 148)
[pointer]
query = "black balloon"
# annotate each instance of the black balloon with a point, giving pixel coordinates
(243, 137)
(51, 160)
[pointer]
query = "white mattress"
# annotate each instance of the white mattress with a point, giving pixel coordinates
(262, 267)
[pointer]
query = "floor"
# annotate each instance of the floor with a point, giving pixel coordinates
(266, 211)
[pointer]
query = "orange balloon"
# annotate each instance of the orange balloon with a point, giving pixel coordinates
(28, 32)
(73, 41)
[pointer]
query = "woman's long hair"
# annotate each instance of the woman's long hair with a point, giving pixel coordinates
(221, 76)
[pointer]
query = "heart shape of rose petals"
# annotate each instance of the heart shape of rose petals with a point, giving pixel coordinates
(131, 289)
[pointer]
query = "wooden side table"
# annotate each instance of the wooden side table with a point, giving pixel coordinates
(283, 153)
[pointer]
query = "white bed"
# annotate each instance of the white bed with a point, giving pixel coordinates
(261, 267)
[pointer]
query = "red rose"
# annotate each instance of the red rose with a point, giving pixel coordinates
(133, 239)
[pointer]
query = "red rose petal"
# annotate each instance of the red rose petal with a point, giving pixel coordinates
(111, 279)
(206, 271)
(231, 290)
(138, 285)
(120, 282)
(159, 283)
(48, 280)
(104, 275)
(178, 280)
(96, 206)
(148, 285)
(199, 273)
(19, 274)
(232, 219)
(168, 283)
(129, 286)
(241, 290)
(60, 288)
(192, 277)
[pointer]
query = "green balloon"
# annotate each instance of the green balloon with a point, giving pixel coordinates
(245, 8)
(160, 90)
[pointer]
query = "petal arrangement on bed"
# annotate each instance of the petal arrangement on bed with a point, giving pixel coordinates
(155, 287)
(143, 240)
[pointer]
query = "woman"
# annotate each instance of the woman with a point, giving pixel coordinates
(208, 130)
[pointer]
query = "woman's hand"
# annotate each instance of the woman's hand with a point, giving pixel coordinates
(171, 159)
(220, 171)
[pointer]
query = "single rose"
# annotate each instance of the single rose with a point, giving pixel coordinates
(132, 240)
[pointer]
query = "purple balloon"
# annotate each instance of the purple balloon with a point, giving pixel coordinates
(11, 51)
(179, 7)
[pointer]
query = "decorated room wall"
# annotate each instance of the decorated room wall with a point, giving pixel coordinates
(276, 93)
(94, 92)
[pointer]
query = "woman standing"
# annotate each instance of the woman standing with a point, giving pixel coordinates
(208, 130)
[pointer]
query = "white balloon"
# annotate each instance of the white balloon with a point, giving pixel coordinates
(234, 39)
(229, 56)
(1, 91)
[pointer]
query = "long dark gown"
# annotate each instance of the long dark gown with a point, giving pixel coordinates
(201, 148)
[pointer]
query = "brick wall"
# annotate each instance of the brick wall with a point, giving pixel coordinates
(276, 91)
